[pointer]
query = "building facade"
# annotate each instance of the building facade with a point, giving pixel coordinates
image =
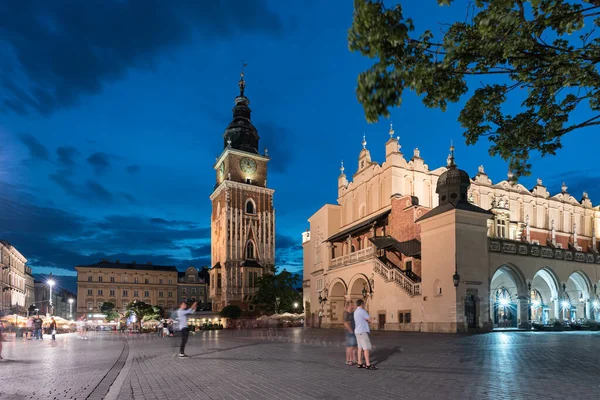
(16, 280)
(243, 217)
(60, 305)
(121, 283)
(192, 288)
(436, 250)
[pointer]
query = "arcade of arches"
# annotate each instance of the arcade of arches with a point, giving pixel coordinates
(540, 297)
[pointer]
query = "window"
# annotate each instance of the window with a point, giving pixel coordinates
(407, 318)
(125, 293)
(250, 307)
(100, 304)
(90, 306)
(136, 280)
(170, 281)
(170, 294)
(218, 281)
(400, 318)
(100, 279)
(250, 250)
(184, 299)
(408, 266)
(194, 299)
(250, 208)
(125, 279)
(90, 292)
(146, 293)
(201, 291)
(193, 290)
(160, 294)
(501, 228)
(112, 279)
(161, 305)
(160, 281)
(100, 292)
(184, 291)
(89, 278)
(135, 293)
(112, 292)
(146, 281)
(124, 305)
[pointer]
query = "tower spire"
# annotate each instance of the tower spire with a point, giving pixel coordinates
(391, 132)
(364, 142)
(242, 82)
(451, 162)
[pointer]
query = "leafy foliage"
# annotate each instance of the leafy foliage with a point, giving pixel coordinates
(108, 308)
(140, 309)
(231, 311)
(276, 292)
(543, 52)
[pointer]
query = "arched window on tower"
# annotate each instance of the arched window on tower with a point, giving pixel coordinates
(250, 207)
(250, 250)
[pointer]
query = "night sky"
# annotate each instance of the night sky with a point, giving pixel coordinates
(112, 114)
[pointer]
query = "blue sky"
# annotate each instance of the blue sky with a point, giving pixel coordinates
(112, 113)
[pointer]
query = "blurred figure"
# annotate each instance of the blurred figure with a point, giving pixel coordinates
(53, 328)
(182, 314)
(350, 336)
(29, 328)
(37, 326)
(1, 337)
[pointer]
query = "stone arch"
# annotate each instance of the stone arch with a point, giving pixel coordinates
(337, 298)
(579, 288)
(250, 207)
(356, 286)
(508, 297)
(546, 283)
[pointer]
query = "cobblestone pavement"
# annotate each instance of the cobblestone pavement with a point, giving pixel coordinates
(307, 364)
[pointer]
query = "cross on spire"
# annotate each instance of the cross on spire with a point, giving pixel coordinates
(242, 82)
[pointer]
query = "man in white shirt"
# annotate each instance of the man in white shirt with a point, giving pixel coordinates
(182, 313)
(362, 331)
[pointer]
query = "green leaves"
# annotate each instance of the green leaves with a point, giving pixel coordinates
(507, 52)
(108, 308)
(276, 292)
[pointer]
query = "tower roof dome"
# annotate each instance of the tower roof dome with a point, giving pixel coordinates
(453, 184)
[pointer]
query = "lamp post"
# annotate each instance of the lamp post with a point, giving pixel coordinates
(71, 308)
(51, 284)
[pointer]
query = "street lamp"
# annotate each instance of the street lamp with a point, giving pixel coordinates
(51, 284)
(295, 304)
(71, 308)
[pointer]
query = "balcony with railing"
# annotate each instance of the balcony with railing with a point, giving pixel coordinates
(352, 258)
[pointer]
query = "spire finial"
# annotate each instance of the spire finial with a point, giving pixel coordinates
(451, 162)
(242, 82)
(342, 167)
(399, 146)
(391, 132)
(364, 142)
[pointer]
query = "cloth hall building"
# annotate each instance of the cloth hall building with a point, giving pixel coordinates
(436, 250)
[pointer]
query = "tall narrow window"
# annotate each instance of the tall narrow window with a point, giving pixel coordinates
(250, 251)
(501, 228)
(250, 208)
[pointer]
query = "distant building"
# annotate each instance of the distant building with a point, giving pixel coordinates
(16, 280)
(121, 283)
(59, 306)
(191, 287)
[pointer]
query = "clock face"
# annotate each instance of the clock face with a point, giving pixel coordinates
(248, 166)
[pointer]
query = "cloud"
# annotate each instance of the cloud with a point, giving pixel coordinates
(37, 151)
(201, 251)
(100, 162)
(577, 181)
(55, 240)
(66, 155)
(133, 169)
(99, 192)
(56, 52)
(288, 253)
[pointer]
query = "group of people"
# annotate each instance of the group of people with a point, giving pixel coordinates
(35, 328)
(358, 341)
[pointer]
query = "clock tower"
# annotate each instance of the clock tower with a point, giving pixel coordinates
(243, 218)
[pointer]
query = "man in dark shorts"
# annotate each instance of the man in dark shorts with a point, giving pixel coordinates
(350, 337)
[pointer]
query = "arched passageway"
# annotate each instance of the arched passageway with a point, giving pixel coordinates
(508, 294)
(337, 296)
(577, 294)
(544, 294)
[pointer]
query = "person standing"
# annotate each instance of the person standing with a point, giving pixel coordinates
(1, 337)
(53, 328)
(350, 336)
(182, 314)
(37, 325)
(362, 332)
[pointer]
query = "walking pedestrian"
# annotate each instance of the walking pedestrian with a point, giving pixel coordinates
(53, 328)
(182, 314)
(29, 328)
(362, 332)
(1, 337)
(165, 329)
(350, 336)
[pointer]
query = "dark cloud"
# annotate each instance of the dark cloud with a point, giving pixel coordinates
(288, 253)
(59, 51)
(100, 162)
(133, 169)
(66, 155)
(99, 192)
(577, 181)
(129, 198)
(37, 151)
(59, 240)
(200, 251)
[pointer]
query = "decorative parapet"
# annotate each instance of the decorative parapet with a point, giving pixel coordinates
(352, 258)
(534, 250)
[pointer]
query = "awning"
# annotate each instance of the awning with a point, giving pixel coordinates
(344, 234)
(409, 248)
